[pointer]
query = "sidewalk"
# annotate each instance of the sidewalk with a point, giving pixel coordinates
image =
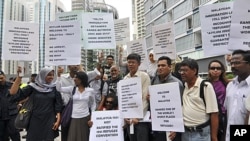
(24, 133)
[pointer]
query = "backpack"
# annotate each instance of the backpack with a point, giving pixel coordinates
(222, 117)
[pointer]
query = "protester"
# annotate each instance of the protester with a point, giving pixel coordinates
(175, 72)
(83, 98)
(152, 65)
(47, 105)
(238, 90)
(122, 64)
(200, 117)
(100, 89)
(20, 103)
(107, 64)
(8, 112)
(217, 76)
(115, 78)
(110, 103)
(67, 79)
(164, 76)
(141, 129)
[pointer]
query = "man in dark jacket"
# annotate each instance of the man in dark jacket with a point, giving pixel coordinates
(164, 76)
(8, 112)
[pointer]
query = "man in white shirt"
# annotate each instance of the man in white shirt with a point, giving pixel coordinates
(141, 129)
(238, 90)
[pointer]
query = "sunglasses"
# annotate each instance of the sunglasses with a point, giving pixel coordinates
(109, 102)
(215, 68)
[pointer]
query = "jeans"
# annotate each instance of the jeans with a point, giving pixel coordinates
(203, 135)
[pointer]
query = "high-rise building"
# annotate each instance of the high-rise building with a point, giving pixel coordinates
(89, 57)
(37, 11)
(1, 27)
(186, 18)
(81, 5)
(138, 18)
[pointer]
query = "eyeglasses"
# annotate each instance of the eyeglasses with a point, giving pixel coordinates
(109, 102)
(215, 68)
(237, 62)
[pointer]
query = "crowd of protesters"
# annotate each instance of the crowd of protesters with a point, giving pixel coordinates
(205, 119)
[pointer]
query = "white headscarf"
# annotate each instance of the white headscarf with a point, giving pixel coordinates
(40, 83)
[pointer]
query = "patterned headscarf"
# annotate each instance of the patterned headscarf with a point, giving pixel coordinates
(40, 84)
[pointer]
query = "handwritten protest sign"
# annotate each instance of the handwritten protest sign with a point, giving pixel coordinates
(63, 43)
(130, 98)
(164, 40)
(107, 126)
(166, 110)
(20, 41)
(215, 25)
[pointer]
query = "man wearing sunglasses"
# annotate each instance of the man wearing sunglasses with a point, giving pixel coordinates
(238, 90)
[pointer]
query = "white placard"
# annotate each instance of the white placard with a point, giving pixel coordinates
(165, 106)
(63, 43)
(98, 31)
(164, 40)
(21, 41)
(139, 47)
(70, 16)
(107, 126)
(122, 31)
(240, 26)
(130, 98)
(215, 25)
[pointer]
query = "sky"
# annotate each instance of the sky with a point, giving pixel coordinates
(123, 7)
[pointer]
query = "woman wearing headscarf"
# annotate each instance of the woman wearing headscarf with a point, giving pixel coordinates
(47, 105)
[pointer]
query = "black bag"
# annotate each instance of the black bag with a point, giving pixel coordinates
(23, 117)
(67, 111)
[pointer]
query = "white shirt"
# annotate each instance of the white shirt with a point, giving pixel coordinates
(66, 80)
(152, 67)
(195, 112)
(236, 94)
(81, 100)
